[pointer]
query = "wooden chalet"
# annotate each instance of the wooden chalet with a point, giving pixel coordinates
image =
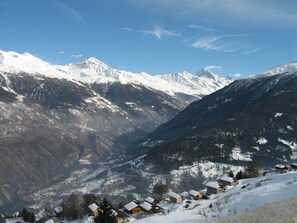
(281, 168)
(227, 181)
(132, 208)
(213, 187)
(195, 194)
(174, 197)
(120, 216)
(95, 209)
(294, 166)
(146, 207)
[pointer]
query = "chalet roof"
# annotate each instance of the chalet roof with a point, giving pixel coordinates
(58, 209)
(293, 164)
(173, 195)
(194, 193)
(41, 214)
(185, 194)
(212, 184)
(203, 191)
(226, 179)
(146, 206)
(150, 199)
(280, 166)
(130, 206)
(50, 221)
(93, 207)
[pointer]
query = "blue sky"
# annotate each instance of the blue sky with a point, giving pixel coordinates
(234, 37)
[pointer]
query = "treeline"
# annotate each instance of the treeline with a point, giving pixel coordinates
(250, 171)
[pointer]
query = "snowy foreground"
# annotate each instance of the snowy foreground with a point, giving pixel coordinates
(248, 195)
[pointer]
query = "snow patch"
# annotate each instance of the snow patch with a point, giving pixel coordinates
(238, 155)
(262, 141)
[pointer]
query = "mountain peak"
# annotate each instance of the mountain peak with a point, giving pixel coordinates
(93, 63)
(205, 72)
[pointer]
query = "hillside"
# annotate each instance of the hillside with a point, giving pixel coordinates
(252, 118)
(250, 195)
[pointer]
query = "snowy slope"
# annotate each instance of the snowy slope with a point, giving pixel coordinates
(248, 195)
(289, 68)
(93, 70)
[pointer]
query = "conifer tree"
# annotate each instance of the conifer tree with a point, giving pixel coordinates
(105, 215)
(160, 189)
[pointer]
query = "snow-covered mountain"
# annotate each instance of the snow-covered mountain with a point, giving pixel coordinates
(55, 115)
(93, 70)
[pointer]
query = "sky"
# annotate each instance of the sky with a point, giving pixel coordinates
(232, 37)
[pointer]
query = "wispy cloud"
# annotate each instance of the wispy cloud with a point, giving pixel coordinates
(76, 55)
(221, 43)
(207, 43)
(254, 50)
(61, 52)
(203, 28)
(72, 13)
(158, 32)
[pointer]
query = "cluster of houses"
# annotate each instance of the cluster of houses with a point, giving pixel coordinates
(151, 205)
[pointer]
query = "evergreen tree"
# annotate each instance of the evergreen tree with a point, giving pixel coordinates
(231, 174)
(239, 175)
(105, 215)
(160, 189)
(27, 216)
(252, 169)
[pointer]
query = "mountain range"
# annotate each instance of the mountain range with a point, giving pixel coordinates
(57, 119)
(250, 119)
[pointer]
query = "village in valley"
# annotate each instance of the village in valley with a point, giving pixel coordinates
(162, 202)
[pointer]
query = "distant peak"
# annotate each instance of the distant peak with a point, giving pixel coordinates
(205, 72)
(92, 62)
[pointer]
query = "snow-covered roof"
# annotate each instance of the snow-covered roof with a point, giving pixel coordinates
(150, 199)
(146, 206)
(15, 220)
(50, 221)
(185, 194)
(293, 164)
(93, 207)
(130, 206)
(41, 214)
(174, 195)
(280, 166)
(212, 184)
(194, 193)
(227, 179)
(58, 209)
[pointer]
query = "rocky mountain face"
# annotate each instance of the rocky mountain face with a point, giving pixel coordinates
(251, 119)
(59, 119)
